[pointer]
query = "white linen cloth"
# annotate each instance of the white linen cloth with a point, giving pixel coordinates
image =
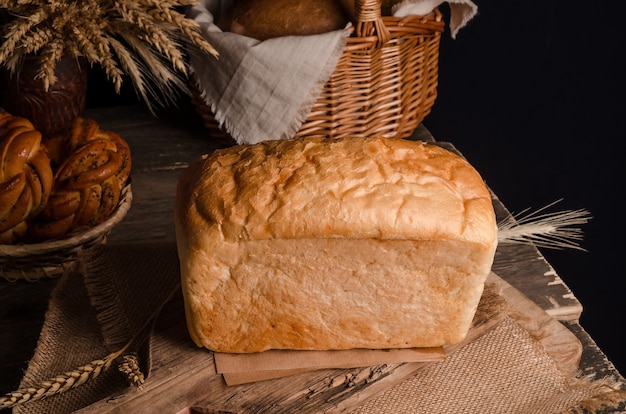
(461, 11)
(264, 90)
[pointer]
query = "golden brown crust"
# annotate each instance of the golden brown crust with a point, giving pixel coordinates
(91, 168)
(265, 19)
(94, 168)
(10, 192)
(40, 178)
(332, 244)
(25, 176)
(254, 192)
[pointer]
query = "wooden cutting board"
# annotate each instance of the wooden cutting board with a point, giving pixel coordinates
(183, 378)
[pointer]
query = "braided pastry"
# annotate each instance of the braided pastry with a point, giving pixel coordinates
(93, 168)
(26, 176)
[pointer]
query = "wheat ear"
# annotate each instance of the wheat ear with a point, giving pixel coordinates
(553, 230)
(130, 368)
(61, 383)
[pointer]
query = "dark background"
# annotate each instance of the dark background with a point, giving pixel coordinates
(533, 94)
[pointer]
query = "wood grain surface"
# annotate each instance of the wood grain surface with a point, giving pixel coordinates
(161, 149)
(184, 376)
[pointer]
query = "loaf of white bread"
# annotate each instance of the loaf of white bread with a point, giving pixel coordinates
(328, 244)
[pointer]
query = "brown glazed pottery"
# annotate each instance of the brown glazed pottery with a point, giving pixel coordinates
(21, 94)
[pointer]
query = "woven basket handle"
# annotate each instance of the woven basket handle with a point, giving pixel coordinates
(369, 21)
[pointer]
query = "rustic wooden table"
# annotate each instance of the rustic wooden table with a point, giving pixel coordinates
(161, 149)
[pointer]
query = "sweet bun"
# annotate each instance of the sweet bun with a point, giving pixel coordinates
(93, 168)
(25, 176)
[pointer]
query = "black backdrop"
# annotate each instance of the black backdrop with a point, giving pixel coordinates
(533, 94)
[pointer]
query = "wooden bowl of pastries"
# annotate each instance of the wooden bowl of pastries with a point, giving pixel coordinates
(59, 195)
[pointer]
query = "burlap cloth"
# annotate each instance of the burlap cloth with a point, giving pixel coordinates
(112, 301)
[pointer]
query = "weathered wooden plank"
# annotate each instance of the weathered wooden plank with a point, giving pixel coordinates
(183, 375)
(561, 344)
(161, 149)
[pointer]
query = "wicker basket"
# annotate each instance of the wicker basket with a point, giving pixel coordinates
(33, 262)
(384, 84)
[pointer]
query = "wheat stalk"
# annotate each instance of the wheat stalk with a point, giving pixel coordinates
(59, 383)
(52, 53)
(129, 366)
(169, 83)
(143, 39)
(162, 11)
(72, 379)
(554, 230)
(18, 35)
(156, 35)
